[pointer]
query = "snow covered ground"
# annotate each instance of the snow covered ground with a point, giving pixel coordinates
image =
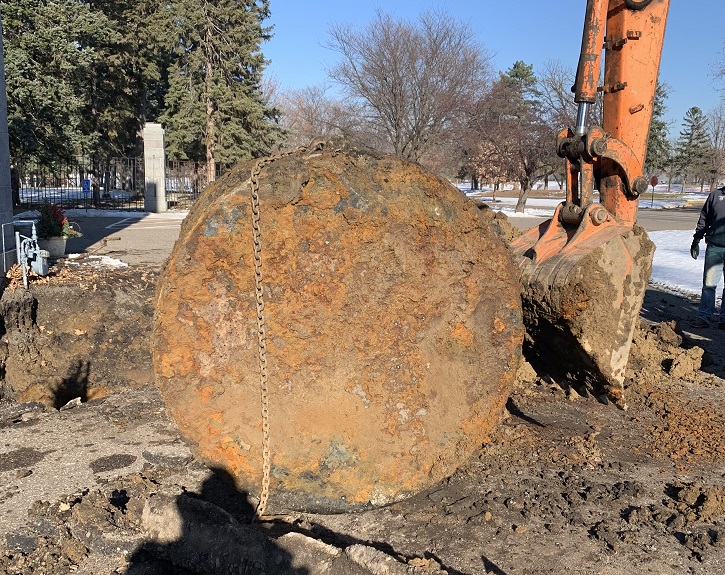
(672, 269)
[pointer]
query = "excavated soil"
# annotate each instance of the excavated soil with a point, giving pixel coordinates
(104, 484)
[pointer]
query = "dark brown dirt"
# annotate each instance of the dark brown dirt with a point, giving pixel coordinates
(565, 485)
(82, 331)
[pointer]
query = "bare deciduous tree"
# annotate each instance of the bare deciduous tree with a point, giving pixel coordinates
(557, 100)
(558, 107)
(720, 68)
(716, 120)
(413, 81)
(309, 114)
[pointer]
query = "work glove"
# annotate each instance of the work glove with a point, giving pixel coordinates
(695, 249)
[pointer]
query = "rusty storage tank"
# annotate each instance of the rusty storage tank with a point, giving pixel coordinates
(393, 329)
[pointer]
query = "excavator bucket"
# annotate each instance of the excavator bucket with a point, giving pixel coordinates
(581, 302)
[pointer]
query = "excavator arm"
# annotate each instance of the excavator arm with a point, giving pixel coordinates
(585, 271)
(611, 157)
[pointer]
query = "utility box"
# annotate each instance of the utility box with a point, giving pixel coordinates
(154, 168)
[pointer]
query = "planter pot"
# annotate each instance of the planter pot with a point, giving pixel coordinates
(55, 246)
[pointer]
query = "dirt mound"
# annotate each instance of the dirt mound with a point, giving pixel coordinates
(673, 397)
(498, 220)
(83, 331)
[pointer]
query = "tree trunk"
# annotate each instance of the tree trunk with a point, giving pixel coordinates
(523, 196)
(107, 178)
(95, 169)
(524, 189)
(210, 165)
(210, 121)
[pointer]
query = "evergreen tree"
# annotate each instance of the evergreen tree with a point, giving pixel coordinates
(129, 83)
(49, 56)
(214, 109)
(108, 119)
(523, 87)
(528, 140)
(658, 145)
(693, 149)
(82, 76)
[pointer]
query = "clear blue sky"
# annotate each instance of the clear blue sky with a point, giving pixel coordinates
(534, 31)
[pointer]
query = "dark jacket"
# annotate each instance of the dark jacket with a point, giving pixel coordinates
(711, 224)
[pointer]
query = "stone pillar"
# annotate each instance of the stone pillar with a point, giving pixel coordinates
(154, 168)
(7, 233)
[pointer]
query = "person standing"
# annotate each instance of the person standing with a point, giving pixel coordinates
(15, 185)
(711, 226)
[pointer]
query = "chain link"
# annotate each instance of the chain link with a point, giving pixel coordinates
(261, 326)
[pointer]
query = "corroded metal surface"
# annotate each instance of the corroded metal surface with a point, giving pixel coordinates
(393, 330)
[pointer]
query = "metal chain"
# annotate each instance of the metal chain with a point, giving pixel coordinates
(261, 336)
(261, 326)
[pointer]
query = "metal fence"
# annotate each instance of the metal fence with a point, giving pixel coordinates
(114, 183)
(185, 180)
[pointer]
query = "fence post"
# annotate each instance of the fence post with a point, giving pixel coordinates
(154, 168)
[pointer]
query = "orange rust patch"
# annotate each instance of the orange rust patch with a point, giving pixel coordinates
(462, 334)
(214, 422)
(498, 325)
(206, 393)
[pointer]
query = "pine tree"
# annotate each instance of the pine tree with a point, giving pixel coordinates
(522, 131)
(214, 109)
(659, 150)
(49, 56)
(129, 83)
(523, 87)
(693, 148)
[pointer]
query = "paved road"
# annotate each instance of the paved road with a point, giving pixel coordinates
(675, 219)
(651, 220)
(149, 239)
(146, 240)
